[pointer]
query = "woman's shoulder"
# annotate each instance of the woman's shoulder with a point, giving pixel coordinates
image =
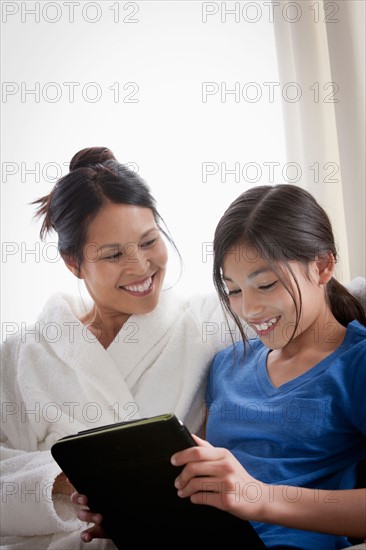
(58, 306)
(61, 304)
(206, 307)
(199, 306)
(197, 301)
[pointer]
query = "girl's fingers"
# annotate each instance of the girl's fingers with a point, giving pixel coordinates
(197, 454)
(200, 470)
(203, 485)
(201, 442)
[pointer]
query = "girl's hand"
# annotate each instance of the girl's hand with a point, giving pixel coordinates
(96, 531)
(212, 475)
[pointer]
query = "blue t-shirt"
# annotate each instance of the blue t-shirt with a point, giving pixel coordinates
(309, 432)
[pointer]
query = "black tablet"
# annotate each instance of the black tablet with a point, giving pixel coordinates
(126, 473)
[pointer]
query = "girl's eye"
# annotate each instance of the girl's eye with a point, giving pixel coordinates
(233, 292)
(114, 256)
(267, 287)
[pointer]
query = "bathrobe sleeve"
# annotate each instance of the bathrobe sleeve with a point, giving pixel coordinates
(27, 474)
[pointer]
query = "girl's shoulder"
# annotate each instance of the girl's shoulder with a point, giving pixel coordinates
(346, 366)
(355, 336)
(353, 350)
(240, 350)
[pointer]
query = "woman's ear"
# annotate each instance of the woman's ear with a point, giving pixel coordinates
(326, 266)
(72, 265)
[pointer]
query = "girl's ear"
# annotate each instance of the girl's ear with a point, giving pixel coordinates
(326, 266)
(71, 264)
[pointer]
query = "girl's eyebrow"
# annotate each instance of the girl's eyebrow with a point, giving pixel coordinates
(259, 272)
(109, 245)
(252, 275)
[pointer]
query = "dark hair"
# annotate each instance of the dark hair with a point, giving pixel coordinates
(284, 223)
(95, 179)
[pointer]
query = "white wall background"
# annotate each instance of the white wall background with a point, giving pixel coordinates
(157, 54)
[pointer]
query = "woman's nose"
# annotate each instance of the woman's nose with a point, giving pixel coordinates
(136, 260)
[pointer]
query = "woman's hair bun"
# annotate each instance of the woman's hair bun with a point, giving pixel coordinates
(91, 156)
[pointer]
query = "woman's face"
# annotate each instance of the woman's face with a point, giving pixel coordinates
(124, 260)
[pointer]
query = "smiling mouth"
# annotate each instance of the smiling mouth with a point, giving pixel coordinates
(140, 288)
(267, 325)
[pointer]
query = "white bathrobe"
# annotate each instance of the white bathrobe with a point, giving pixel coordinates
(57, 379)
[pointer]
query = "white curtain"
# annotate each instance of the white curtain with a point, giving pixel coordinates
(321, 59)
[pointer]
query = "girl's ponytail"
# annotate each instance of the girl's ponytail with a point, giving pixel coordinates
(345, 307)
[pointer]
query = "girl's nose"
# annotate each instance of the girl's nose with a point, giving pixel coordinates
(251, 305)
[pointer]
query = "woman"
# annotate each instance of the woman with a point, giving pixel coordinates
(132, 350)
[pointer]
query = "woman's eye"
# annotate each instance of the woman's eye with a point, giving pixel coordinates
(267, 287)
(149, 243)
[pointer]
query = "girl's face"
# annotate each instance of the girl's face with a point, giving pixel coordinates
(257, 295)
(124, 261)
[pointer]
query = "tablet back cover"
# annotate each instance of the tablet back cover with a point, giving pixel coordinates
(125, 471)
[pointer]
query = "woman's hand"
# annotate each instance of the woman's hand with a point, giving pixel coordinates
(212, 475)
(62, 486)
(96, 531)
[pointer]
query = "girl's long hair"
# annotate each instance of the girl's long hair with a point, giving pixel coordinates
(283, 223)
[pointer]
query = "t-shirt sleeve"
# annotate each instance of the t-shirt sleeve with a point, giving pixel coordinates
(357, 400)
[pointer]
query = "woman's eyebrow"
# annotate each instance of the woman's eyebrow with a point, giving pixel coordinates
(109, 245)
(118, 245)
(149, 231)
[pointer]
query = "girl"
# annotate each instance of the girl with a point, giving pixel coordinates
(286, 411)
